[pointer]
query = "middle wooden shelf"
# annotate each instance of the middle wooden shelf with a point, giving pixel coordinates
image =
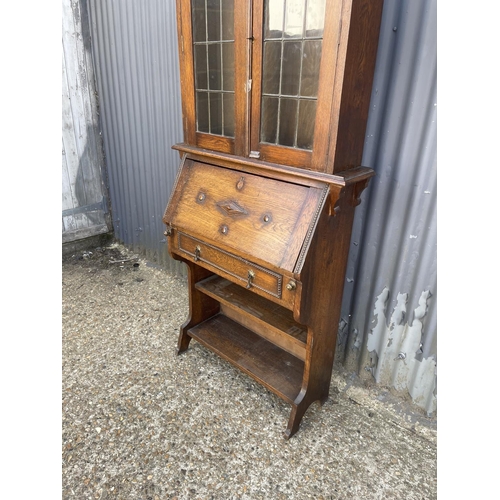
(269, 320)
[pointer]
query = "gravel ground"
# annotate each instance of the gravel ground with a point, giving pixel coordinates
(140, 422)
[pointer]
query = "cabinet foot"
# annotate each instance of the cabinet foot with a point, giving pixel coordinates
(297, 413)
(295, 419)
(183, 343)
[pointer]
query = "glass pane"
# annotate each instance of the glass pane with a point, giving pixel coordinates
(202, 111)
(199, 25)
(269, 119)
(307, 118)
(291, 68)
(228, 66)
(215, 113)
(213, 20)
(294, 18)
(200, 66)
(288, 122)
(310, 68)
(315, 18)
(214, 66)
(273, 18)
(228, 100)
(227, 19)
(271, 68)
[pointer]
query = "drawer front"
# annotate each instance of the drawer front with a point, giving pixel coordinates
(242, 271)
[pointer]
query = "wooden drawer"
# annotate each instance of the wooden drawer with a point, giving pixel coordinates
(237, 269)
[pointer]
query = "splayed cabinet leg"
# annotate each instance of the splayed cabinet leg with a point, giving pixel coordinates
(201, 306)
(296, 415)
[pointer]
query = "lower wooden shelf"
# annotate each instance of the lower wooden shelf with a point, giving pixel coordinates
(271, 366)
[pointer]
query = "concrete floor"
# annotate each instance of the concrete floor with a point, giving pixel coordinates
(140, 422)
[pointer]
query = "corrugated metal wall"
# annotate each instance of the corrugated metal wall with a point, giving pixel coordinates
(388, 327)
(135, 47)
(389, 307)
(84, 196)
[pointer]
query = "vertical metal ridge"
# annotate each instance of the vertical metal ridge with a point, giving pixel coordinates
(135, 47)
(394, 233)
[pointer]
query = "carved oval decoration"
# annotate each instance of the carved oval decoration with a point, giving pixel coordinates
(240, 184)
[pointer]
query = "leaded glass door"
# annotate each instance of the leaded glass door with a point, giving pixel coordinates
(293, 58)
(214, 72)
(258, 77)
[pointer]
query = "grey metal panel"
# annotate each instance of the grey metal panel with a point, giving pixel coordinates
(394, 234)
(135, 47)
(389, 304)
(84, 196)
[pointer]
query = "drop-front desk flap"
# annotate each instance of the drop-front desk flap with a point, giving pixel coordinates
(251, 229)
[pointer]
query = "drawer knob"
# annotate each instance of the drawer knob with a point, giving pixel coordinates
(251, 276)
(197, 252)
(291, 285)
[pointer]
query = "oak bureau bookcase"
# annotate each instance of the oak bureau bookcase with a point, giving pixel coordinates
(275, 98)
